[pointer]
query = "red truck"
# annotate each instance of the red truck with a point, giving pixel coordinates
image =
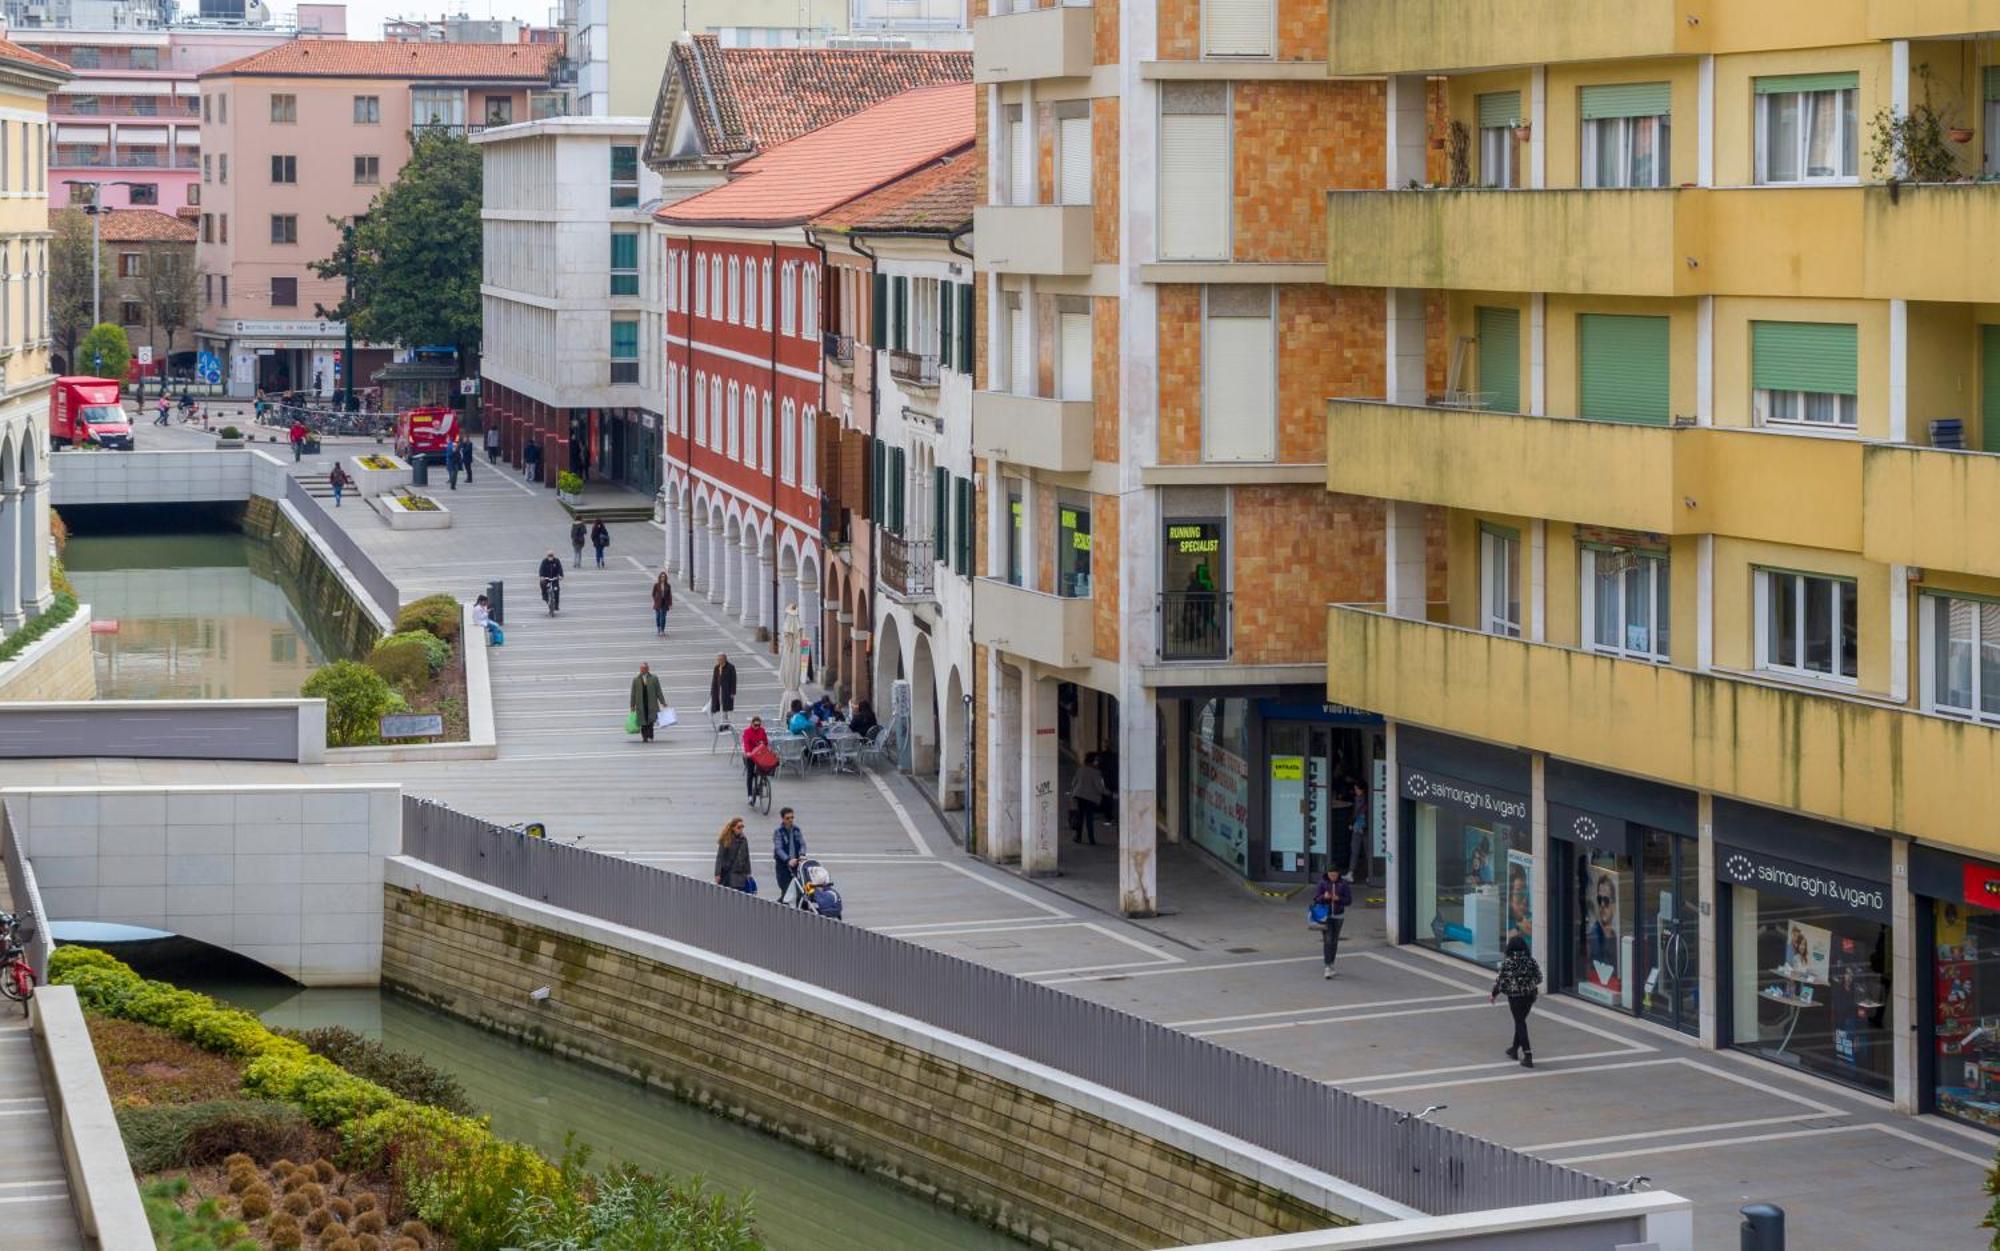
(88, 410)
(426, 433)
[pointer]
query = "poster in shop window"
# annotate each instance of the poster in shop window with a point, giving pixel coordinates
(1519, 902)
(1808, 953)
(1601, 930)
(1222, 801)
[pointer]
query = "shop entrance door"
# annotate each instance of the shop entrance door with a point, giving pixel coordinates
(1301, 794)
(1634, 941)
(1669, 933)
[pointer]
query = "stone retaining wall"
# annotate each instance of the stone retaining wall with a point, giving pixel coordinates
(998, 1152)
(57, 666)
(339, 621)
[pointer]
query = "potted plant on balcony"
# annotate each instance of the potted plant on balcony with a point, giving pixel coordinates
(1917, 146)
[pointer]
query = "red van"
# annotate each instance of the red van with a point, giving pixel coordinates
(426, 432)
(88, 410)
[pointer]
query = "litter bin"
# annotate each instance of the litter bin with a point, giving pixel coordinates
(1763, 1228)
(496, 601)
(420, 470)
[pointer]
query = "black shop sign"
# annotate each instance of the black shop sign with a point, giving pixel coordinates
(1837, 891)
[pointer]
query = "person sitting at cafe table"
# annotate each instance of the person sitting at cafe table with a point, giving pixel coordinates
(800, 721)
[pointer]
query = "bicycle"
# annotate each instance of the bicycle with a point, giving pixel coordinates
(552, 594)
(760, 792)
(17, 976)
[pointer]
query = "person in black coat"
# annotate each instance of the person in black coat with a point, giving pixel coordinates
(732, 856)
(722, 689)
(600, 538)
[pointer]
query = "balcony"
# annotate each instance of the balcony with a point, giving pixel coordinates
(1034, 238)
(914, 369)
(835, 524)
(1757, 741)
(1928, 19)
(1931, 509)
(1048, 629)
(909, 571)
(839, 348)
(1408, 36)
(1041, 43)
(1034, 431)
(1194, 625)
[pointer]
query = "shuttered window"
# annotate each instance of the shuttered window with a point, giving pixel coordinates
(1239, 376)
(1236, 27)
(961, 547)
(945, 337)
(1989, 388)
(898, 480)
(899, 332)
(1073, 346)
(1020, 158)
(1499, 108)
(1782, 84)
(1194, 172)
(1625, 100)
(1624, 368)
(1073, 157)
(878, 312)
(966, 352)
(1803, 356)
(940, 510)
(1499, 332)
(1020, 353)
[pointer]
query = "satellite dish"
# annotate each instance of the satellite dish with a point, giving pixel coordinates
(256, 11)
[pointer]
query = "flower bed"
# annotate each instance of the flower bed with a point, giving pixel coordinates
(411, 512)
(378, 473)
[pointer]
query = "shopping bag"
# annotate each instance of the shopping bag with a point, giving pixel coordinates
(749, 885)
(632, 723)
(1318, 913)
(667, 719)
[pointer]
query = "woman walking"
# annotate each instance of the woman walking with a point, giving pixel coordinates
(600, 538)
(577, 534)
(732, 856)
(1336, 896)
(647, 700)
(1520, 980)
(663, 601)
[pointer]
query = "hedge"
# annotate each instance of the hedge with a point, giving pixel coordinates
(61, 609)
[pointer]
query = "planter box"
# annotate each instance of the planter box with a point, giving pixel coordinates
(400, 518)
(369, 482)
(568, 499)
(223, 444)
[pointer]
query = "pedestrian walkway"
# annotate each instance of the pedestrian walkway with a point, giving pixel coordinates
(35, 1212)
(1609, 1094)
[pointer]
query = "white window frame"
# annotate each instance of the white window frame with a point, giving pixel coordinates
(749, 427)
(766, 424)
(788, 435)
(673, 399)
(734, 291)
(788, 310)
(1932, 661)
(701, 286)
(1766, 663)
(808, 446)
(700, 408)
(1659, 591)
(715, 297)
(1621, 132)
(1496, 148)
(734, 450)
(673, 284)
(809, 302)
(1765, 405)
(768, 296)
(1215, 415)
(1762, 156)
(715, 413)
(1499, 587)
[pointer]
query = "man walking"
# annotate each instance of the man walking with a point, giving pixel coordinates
(1336, 896)
(339, 479)
(492, 444)
(788, 847)
(578, 532)
(647, 700)
(451, 464)
(298, 437)
(465, 456)
(721, 689)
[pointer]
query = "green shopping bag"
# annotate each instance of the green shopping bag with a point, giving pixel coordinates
(631, 723)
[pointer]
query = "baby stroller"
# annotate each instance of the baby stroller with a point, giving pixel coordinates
(812, 890)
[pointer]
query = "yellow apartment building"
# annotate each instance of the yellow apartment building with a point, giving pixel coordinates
(1709, 707)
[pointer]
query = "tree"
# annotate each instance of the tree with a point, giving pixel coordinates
(173, 296)
(105, 352)
(416, 255)
(69, 280)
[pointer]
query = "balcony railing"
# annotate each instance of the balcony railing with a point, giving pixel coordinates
(908, 568)
(1194, 625)
(914, 368)
(839, 348)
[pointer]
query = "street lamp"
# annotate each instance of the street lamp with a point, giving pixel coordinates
(95, 209)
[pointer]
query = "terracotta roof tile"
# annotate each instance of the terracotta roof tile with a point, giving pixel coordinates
(746, 100)
(797, 181)
(141, 225)
(936, 200)
(11, 51)
(344, 58)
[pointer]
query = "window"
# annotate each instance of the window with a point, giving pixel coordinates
(131, 313)
(145, 59)
(1626, 131)
(1194, 171)
(733, 432)
(284, 109)
(204, 109)
(1073, 546)
(367, 170)
(1016, 522)
(715, 289)
(749, 284)
(222, 110)
(624, 349)
(208, 228)
(1020, 353)
(1805, 624)
(1194, 618)
(437, 107)
(961, 548)
(624, 262)
(715, 413)
(701, 286)
(809, 302)
(788, 445)
(194, 193)
(1498, 334)
(225, 290)
(700, 409)
(368, 110)
(222, 168)
(223, 223)
(1963, 656)
(144, 193)
(734, 289)
(1073, 152)
(205, 170)
(499, 110)
(749, 427)
(1073, 347)
(284, 293)
(131, 264)
(285, 169)
(1808, 128)
(788, 318)
(765, 323)
(1803, 373)
(624, 175)
(1500, 582)
(284, 227)
(1020, 157)
(766, 443)
(1499, 112)
(1624, 596)
(84, 58)
(1237, 27)
(808, 451)
(1238, 375)
(1623, 365)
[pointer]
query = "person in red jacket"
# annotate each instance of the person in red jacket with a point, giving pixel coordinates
(298, 439)
(754, 739)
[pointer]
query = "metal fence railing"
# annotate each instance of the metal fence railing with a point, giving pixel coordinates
(379, 586)
(24, 899)
(1423, 1165)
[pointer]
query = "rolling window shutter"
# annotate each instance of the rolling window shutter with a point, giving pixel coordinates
(1073, 148)
(962, 538)
(1626, 100)
(1779, 84)
(897, 481)
(878, 312)
(1194, 186)
(967, 353)
(1499, 108)
(1803, 356)
(1237, 418)
(1624, 368)
(1499, 331)
(1237, 27)
(852, 458)
(1075, 356)
(1992, 82)
(1989, 388)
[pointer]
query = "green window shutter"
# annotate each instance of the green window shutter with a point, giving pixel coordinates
(1499, 331)
(966, 342)
(878, 312)
(899, 333)
(1993, 82)
(1802, 356)
(896, 485)
(944, 325)
(1499, 108)
(1624, 368)
(1626, 100)
(1778, 84)
(1989, 388)
(940, 510)
(875, 482)
(962, 545)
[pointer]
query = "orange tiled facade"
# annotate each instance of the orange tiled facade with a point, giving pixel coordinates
(1104, 181)
(1104, 380)
(1180, 374)
(1104, 32)
(1287, 570)
(1281, 182)
(1334, 336)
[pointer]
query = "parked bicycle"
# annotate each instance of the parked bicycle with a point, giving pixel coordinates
(17, 976)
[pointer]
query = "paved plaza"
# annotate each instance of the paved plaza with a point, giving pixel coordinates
(1226, 962)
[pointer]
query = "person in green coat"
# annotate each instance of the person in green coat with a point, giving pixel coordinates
(647, 700)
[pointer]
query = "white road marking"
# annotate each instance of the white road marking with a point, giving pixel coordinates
(1198, 968)
(997, 925)
(1520, 1075)
(1712, 1143)
(1666, 1131)
(1269, 1026)
(1321, 1007)
(902, 815)
(1003, 888)
(1474, 1068)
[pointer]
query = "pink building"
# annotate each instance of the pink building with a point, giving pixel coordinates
(131, 119)
(312, 130)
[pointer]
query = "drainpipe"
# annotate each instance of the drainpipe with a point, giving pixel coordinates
(971, 722)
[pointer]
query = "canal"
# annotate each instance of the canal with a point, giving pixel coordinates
(199, 611)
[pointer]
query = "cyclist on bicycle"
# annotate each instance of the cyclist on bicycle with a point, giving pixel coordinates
(551, 574)
(755, 739)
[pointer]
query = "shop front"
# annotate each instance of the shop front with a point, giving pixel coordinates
(1958, 985)
(1278, 784)
(1624, 893)
(1466, 859)
(1806, 955)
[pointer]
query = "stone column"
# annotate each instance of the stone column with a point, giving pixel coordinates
(673, 536)
(718, 571)
(1041, 798)
(1001, 842)
(36, 591)
(1902, 977)
(11, 516)
(751, 597)
(769, 615)
(732, 575)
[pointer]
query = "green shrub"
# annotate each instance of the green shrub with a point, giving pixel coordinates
(230, 432)
(190, 1135)
(628, 1208)
(61, 609)
(569, 483)
(402, 662)
(204, 1229)
(357, 698)
(408, 1075)
(59, 580)
(437, 652)
(105, 351)
(439, 615)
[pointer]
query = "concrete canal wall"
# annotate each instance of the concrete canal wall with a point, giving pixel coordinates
(57, 666)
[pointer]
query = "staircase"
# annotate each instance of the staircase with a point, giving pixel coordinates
(317, 485)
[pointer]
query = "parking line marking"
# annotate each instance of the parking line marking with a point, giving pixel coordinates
(1003, 888)
(1520, 1075)
(1334, 1020)
(1320, 1007)
(1345, 1082)
(902, 814)
(1665, 1132)
(1710, 1143)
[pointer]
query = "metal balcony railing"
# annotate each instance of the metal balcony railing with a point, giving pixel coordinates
(1194, 625)
(913, 367)
(908, 568)
(839, 347)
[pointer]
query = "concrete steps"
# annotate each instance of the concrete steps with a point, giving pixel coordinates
(317, 485)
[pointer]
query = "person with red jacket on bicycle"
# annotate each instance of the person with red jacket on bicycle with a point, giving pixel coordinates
(756, 742)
